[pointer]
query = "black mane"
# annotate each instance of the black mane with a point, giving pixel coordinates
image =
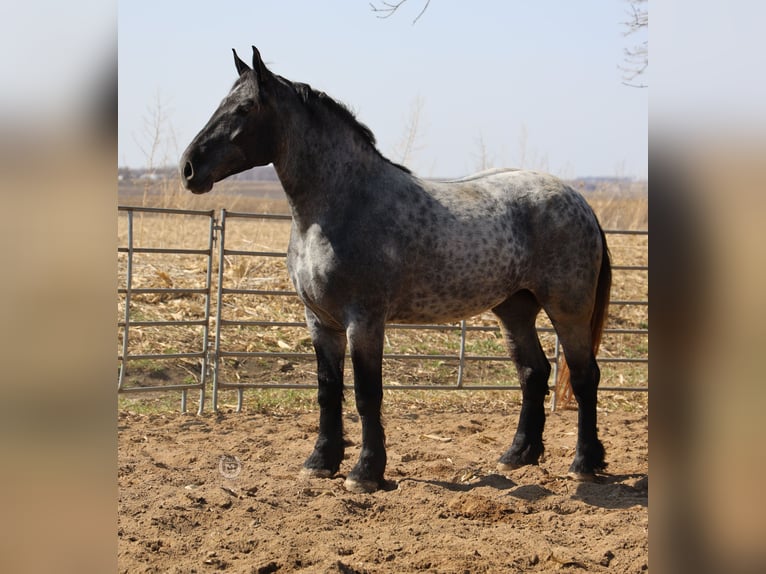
(312, 97)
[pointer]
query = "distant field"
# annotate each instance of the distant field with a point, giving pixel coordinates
(227, 194)
(618, 205)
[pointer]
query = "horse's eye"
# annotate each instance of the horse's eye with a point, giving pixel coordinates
(245, 107)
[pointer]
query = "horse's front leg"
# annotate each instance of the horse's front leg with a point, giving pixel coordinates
(366, 342)
(330, 348)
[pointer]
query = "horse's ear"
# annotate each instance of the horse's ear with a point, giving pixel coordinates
(261, 73)
(241, 66)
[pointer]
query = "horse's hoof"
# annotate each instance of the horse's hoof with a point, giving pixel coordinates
(582, 476)
(508, 467)
(315, 473)
(360, 486)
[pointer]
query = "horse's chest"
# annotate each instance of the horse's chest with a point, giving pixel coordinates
(322, 275)
(333, 273)
(311, 262)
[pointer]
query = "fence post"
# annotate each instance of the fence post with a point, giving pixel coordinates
(128, 288)
(206, 328)
(461, 360)
(556, 355)
(218, 306)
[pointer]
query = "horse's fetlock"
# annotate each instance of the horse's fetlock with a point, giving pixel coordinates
(589, 459)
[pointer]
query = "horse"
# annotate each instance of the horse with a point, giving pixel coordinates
(371, 243)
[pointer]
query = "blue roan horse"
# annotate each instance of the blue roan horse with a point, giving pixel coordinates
(371, 243)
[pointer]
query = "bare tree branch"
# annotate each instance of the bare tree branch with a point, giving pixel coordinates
(387, 9)
(637, 58)
(639, 16)
(408, 143)
(157, 140)
(483, 159)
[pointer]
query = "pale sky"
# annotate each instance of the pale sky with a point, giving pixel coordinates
(537, 82)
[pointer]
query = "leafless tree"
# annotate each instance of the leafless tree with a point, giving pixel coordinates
(387, 9)
(483, 159)
(408, 144)
(157, 140)
(637, 57)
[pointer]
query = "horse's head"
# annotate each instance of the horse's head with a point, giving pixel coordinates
(238, 136)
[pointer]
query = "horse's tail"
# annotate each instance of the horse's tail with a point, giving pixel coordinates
(597, 321)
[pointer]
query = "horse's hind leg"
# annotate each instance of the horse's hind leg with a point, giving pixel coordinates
(330, 348)
(517, 315)
(576, 341)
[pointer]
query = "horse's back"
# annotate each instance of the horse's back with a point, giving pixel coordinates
(536, 207)
(479, 239)
(513, 186)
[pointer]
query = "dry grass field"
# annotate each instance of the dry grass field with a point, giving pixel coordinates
(445, 508)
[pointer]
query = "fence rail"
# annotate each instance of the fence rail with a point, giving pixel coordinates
(211, 354)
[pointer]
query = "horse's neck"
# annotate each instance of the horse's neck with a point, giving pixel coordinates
(321, 168)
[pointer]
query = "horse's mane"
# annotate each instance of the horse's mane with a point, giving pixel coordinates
(311, 97)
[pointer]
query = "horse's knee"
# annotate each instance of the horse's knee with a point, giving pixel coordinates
(329, 396)
(369, 401)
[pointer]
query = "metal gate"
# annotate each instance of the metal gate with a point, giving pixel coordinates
(211, 355)
(132, 320)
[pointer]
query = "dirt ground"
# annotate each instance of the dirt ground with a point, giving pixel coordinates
(223, 492)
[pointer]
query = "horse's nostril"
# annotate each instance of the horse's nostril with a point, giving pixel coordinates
(188, 171)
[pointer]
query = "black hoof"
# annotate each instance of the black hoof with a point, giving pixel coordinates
(321, 465)
(361, 486)
(316, 473)
(363, 478)
(516, 457)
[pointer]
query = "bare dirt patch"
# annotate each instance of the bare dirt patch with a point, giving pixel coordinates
(222, 492)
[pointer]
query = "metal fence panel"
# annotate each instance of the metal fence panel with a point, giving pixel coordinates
(128, 292)
(212, 355)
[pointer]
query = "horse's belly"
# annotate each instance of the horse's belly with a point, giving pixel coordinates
(444, 305)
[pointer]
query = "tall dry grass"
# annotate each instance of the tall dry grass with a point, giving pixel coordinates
(619, 208)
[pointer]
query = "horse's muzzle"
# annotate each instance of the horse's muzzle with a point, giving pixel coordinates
(191, 179)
